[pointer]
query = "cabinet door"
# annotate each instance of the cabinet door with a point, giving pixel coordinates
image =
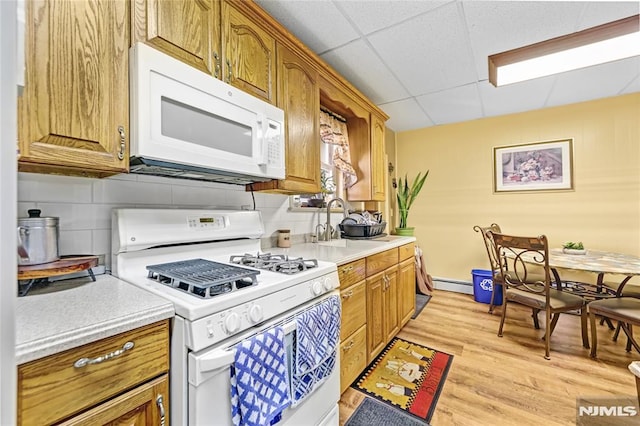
(148, 404)
(75, 105)
(299, 97)
(354, 309)
(406, 290)
(188, 30)
(378, 168)
(249, 55)
(353, 357)
(390, 312)
(375, 315)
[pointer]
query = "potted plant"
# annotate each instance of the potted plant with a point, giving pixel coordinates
(406, 195)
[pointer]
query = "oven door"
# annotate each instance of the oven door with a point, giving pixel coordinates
(209, 382)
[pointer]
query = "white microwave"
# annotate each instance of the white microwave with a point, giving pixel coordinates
(187, 124)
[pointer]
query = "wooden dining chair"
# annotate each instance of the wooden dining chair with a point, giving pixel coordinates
(519, 287)
(625, 310)
(485, 233)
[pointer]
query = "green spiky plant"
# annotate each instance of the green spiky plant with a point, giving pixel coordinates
(407, 194)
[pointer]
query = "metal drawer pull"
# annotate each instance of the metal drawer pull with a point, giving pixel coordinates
(82, 362)
(159, 403)
(347, 269)
(347, 294)
(349, 346)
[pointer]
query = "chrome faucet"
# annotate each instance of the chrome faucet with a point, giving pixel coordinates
(327, 230)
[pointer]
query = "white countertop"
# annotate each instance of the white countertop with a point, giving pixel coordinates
(67, 314)
(343, 251)
(71, 313)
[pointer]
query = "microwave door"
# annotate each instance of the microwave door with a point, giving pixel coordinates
(194, 127)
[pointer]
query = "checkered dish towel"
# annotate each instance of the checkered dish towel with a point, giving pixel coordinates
(314, 350)
(259, 379)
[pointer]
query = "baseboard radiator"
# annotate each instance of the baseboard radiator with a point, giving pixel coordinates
(450, 284)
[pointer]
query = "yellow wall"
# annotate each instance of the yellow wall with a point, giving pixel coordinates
(602, 211)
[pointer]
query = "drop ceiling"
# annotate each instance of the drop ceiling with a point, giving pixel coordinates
(425, 62)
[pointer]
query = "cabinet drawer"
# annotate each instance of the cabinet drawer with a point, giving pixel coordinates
(381, 261)
(354, 308)
(406, 251)
(351, 273)
(353, 357)
(52, 388)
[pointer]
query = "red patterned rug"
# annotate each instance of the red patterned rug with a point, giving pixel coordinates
(407, 376)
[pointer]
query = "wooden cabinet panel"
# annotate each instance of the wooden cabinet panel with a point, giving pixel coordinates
(52, 388)
(378, 168)
(188, 30)
(406, 251)
(353, 357)
(352, 272)
(390, 312)
(74, 110)
(406, 290)
(249, 54)
(381, 261)
(299, 97)
(354, 309)
(146, 405)
(375, 318)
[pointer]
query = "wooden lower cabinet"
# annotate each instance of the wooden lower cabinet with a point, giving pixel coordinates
(406, 290)
(353, 357)
(378, 298)
(382, 310)
(118, 377)
(147, 404)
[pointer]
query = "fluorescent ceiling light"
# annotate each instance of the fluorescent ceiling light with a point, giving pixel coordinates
(605, 43)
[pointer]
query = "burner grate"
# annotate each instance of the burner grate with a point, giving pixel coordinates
(275, 262)
(202, 278)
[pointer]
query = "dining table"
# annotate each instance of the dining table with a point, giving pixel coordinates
(593, 261)
(599, 262)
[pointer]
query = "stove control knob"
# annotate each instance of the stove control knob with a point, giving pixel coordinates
(328, 285)
(232, 323)
(316, 288)
(255, 313)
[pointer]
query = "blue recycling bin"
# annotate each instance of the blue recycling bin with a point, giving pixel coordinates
(483, 287)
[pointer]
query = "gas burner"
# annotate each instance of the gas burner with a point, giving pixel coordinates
(275, 262)
(258, 260)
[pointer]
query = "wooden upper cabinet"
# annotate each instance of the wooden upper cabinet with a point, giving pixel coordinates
(299, 97)
(188, 30)
(249, 54)
(378, 168)
(74, 110)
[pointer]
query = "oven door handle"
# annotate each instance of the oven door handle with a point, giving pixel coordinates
(224, 358)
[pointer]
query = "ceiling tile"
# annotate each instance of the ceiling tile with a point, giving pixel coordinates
(594, 82)
(599, 12)
(517, 97)
(405, 115)
(453, 105)
(370, 16)
(429, 53)
(497, 26)
(359, 64)
(317, 23)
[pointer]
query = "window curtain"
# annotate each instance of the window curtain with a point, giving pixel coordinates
(334, 132)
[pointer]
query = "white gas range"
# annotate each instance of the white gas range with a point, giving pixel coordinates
(224, 289)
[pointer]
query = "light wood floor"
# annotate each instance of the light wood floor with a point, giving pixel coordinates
(499, 381)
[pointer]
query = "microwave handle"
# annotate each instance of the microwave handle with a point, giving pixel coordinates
(263, 149)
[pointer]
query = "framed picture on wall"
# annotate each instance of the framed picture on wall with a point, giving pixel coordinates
(537, 166)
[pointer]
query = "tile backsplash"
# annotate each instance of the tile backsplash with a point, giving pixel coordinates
(84, 205)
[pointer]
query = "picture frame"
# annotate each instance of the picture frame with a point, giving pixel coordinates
(536, 166)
